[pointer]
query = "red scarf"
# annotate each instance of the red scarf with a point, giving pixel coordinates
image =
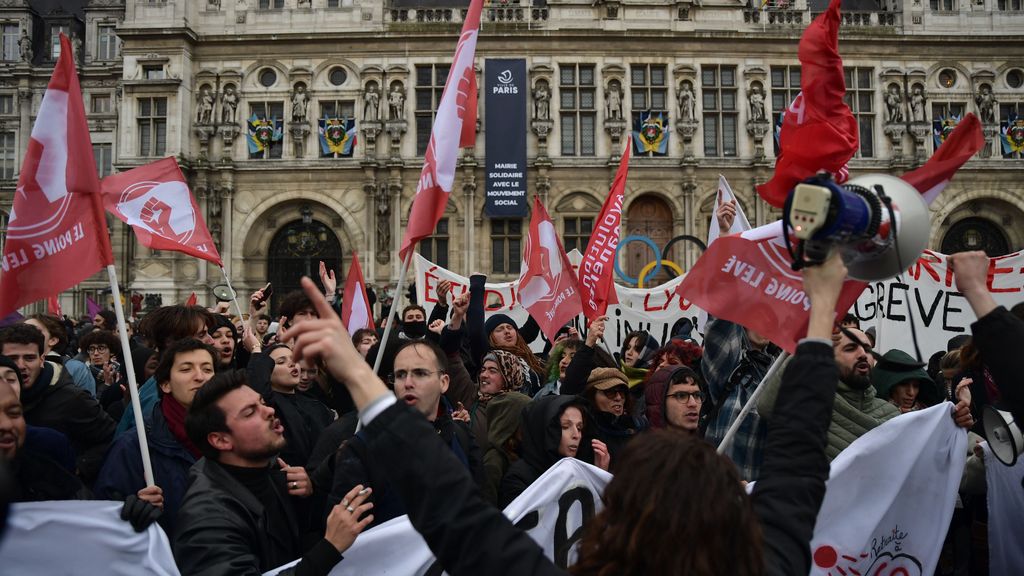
(174, 414)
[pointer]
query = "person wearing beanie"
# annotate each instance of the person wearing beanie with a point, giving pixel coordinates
(903, 382)
(225, 340)
(611, 404)
(500, 331)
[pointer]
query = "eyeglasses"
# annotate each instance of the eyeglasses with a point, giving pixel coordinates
(611, 393)
(97, 348)
(685, 396)
(416, 374)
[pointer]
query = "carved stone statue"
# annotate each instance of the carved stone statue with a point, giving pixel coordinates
(756, 102)
(541, 102)
(986, 104)
(25, 46)
(383, 224)
(299, 103)
(893, 105)
(228, 105)
(613, 102)
(205, 113)
(917, 101)
(76, 49)
(396, 102)
(686, 102)
(371, 104)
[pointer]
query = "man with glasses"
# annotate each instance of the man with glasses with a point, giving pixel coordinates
(683, 400)
(420, 380)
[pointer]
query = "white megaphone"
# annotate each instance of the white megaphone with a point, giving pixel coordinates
(1003, 434)
(879, 222)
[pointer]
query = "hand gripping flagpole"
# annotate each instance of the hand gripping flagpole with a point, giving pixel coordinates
(391, 311)
(731, 433)
(133, 387)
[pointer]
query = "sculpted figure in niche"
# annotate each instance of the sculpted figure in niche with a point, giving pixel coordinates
(396, 102)
(205, 113)
(228, 105)
(613, 101)
(893, 105)
(986, 104)
(756, 102)
(917, 104)
(686, 102)
(25, 46)
(542, 102)
(299, 102)
(371, 103)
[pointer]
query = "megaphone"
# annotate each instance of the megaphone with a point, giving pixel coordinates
(222, 293)
(880, 224)
(1003, 434)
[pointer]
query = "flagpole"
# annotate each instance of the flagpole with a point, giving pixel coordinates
(133, 387)
(234, 295)
(731, 433)
(391, 311)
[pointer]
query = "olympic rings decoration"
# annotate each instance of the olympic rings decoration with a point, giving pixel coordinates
(652, 268)
(645, 240)
(666, 263)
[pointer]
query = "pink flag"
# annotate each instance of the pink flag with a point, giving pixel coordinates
(748, 279)
(456, 114)
(595, 281)
(53, 306)
(192, 299)
(932, 178)
(547, 286)
(155, 201)
(356, 313)
(57, 235)
(818, 130)
(91, 307)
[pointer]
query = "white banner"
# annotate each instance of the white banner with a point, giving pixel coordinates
(655, 310)
(1005, 514)
(81, 537)
(890, 498)
(928, 293)
(552, 511)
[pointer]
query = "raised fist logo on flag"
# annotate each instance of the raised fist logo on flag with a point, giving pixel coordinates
(155, 201)
(547, 286)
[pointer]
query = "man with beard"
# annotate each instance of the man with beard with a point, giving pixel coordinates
(857, 409)
(238, 516)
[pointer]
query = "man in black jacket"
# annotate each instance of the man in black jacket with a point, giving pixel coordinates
(470, 537)
(50, 399)
(238, 516)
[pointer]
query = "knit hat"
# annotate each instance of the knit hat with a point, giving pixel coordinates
(8, 363)
(895, 367)
(512, 368)
(221, 321)
(496, 320)
(606, 378)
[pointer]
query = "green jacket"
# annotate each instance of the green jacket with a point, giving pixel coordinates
(853, 414)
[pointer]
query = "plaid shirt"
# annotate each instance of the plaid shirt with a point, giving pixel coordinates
(732, 371)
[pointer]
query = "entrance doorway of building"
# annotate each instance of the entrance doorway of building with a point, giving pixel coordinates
(651, 217)
(296, 251)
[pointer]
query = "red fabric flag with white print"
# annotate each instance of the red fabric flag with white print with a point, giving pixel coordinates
(57, 234)
(598, 264)
(53, 306)
(818, 130)
(547, 286)
(356, 313)
(155, 201)
(932, 178)
(454, 128)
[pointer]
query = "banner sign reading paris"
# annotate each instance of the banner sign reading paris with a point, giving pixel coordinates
(506, 87)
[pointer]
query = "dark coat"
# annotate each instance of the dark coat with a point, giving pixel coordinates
(542, 433)
(223, 528)
(55, 402)
(122, 475)
(469, 536)
(998, 336)
(39, 479)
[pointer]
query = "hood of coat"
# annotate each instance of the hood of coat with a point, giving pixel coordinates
(542, 431)
(504, 414)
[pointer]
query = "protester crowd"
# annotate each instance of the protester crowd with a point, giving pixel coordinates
(258, 458)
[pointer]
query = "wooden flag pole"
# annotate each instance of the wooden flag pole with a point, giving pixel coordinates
(133, 387)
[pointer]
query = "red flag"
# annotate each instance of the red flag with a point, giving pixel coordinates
(818, 130)
(932, 178)
(192, 300)
(454, 127)
(155, 201)
(356, 313)
(57, 234)
(547, 286)
(53, 306)
(595, 280)
(748, 279)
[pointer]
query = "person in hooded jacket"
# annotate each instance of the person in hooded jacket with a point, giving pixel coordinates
(504, 436)
(637, 351)
(501, 372)
(553, 427)
(561, 356)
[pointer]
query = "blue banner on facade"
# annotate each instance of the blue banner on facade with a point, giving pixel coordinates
(505, 104)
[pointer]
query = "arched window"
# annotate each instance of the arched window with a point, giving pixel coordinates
(296, 251)
(975, 234)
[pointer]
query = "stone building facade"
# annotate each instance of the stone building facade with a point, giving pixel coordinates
(189, 75)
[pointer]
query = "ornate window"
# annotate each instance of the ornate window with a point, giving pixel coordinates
(337, 109)
(152, 122)
(435, 247)
(975, 234)
(106, 42)
(785, 87)
(6, 103)
(944, 5)
(718, 92)
(272, 112)
(860, 97)
(648, 89)
(430, 79)
(506, 245)
(577, 106)
(1011, 131)
(1010, 5)
(271, 4)
(10, 34)
(55, 32)
(577, 231)
(100, 103)
(945, 116)
(8, 155)
(104, 155)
